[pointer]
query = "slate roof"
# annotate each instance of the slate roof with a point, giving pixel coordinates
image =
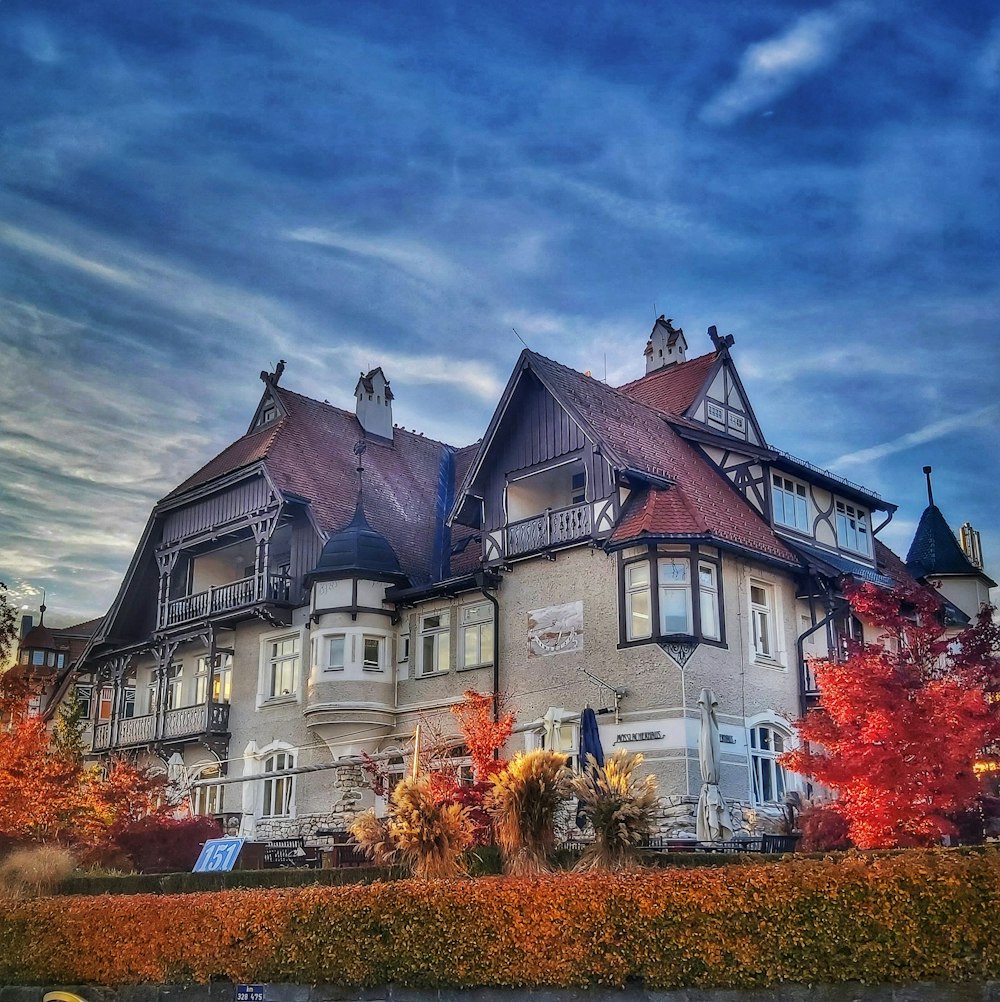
(935, 549)
(696, 501)
(673, 389)
(836, 564)
(409, 483)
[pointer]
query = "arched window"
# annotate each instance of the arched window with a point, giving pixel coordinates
(207, 800)
(767, 743)
(278, 790)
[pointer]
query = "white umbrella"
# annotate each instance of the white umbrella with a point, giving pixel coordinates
(713, 822)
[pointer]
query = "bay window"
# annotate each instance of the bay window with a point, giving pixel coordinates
(687, 599)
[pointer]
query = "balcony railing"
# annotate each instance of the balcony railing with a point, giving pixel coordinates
(553, 527)
(184, 722)
(225, 598)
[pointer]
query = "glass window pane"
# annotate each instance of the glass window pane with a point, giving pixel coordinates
(674, 611)
(640, 615)
(637, 575)
(674, 571)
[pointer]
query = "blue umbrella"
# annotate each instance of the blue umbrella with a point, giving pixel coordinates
(590, 744)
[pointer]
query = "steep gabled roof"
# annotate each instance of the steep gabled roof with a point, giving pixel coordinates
(244, 452)
(409, 481)
(679, 493)
(935, 550)
(672, 389)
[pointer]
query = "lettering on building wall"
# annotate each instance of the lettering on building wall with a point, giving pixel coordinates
(556, 630)
(624, 739)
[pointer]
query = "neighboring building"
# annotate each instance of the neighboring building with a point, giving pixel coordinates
(331, 579)
(49, 659)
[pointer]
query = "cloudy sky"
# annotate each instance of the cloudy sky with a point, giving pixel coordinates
(190, 191)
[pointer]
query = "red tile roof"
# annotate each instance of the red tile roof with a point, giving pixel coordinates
(700, 502)
(245, 451)
(673, 389)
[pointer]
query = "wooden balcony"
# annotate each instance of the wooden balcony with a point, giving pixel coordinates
(225, 598)
(177, 725)
(553, 527)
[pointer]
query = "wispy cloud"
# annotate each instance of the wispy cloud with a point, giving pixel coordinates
(57, 253)
(982, 417)
(407, 255)
(769, 69)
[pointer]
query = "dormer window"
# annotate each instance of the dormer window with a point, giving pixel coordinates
(852, 529)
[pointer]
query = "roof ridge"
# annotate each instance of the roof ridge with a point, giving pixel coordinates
(676, 367)
(349, 413)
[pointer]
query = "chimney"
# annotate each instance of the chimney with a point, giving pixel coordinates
(374, 403)
(26, 623)
(666, 346)
(972, 545)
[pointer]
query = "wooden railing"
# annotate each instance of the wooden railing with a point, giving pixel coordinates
(225, 598)
(553, 527)
(184, 722)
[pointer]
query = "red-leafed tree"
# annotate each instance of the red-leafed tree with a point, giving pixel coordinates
(902, 722)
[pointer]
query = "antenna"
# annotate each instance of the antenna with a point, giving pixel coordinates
(605, 367)
(521, 339)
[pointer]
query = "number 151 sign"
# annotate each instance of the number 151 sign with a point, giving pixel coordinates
(218, 854)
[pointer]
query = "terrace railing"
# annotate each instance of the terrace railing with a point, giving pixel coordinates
(553, 527)
(226, 598)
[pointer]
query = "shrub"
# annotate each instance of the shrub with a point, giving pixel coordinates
(824, 829)
(919, 915)
(523, 803)
(34, 870)
(165, 845)
(620, 807)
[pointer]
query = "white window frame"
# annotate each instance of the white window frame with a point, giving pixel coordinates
(793, 494)
(173, 686)
(204, 798)
(323, 651)
(765, 770)
(853, 529)
(476, 620)
(708, 597)
(638, 587)
(268, 659)
(379, 662)
(86, 703)
(277, 759)
(764, 624)
(222, 680)
(439, 636)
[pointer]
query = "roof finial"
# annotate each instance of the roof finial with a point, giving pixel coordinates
(930, 490)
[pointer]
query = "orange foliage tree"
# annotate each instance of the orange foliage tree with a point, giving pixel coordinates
(901, 722)
(48, 794)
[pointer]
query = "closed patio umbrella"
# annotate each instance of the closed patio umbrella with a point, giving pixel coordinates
(713, 823)
(590, 744)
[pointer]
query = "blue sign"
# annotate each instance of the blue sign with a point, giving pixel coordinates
(249, 993)
(217, 855)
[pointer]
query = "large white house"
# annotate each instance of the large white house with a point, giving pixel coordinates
(330, 580)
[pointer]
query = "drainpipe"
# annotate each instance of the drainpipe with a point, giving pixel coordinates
(481, 585)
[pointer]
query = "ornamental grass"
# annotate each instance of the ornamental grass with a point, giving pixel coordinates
(523, 803)
(621, 808)
(421, 834)
(34, 871)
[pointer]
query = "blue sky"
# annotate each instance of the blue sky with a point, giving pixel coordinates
(189, 192)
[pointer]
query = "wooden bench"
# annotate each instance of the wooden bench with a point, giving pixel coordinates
(344, 852)
(289, 852)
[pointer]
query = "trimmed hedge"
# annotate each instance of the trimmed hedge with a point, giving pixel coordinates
(914, 916)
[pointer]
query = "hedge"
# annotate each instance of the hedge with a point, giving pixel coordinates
(920, 915)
